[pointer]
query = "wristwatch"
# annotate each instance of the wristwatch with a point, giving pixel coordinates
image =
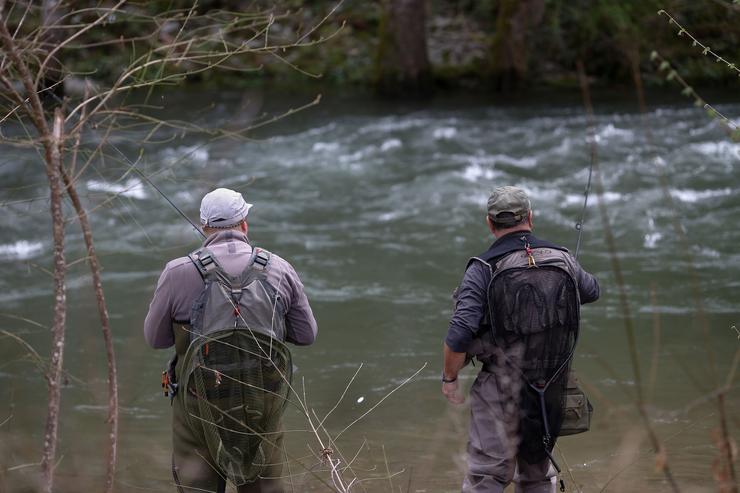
(448, 380)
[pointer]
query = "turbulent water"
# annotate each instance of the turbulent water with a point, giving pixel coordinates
(378, 207)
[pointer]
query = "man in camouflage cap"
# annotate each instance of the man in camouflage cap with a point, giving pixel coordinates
(495, 446)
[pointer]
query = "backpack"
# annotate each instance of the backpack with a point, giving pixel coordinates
(237, 370)
(534, 311)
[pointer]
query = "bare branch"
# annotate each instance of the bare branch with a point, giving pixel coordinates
(50, 56)
(380, 401)
(104, 324)
(37, 113)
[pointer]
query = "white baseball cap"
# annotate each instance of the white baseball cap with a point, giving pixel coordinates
(223, 208)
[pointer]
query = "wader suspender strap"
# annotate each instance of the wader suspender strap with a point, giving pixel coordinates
(261, 259)
(258, 262)
(204, 261)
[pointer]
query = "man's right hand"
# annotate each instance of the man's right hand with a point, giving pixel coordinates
(452, 392)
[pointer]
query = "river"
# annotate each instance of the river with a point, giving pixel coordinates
(378, 206)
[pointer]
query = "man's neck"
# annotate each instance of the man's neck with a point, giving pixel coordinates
(226, 235)
(500, 233)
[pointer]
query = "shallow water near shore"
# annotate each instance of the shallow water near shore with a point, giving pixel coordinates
(378, 206)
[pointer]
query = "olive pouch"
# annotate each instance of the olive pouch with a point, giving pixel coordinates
(577, 411)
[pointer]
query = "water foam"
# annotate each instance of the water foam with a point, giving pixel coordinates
(718, 150)
(652, 238)
(607, 197)
(475, 172)
(692, 196)
(444, 133)
(133, 187)
(389, 144)
(519, 162)
(325, 147)
(610, 131)
(196, 153)
(21, 250)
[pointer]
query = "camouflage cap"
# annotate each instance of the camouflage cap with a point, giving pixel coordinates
(509, 199)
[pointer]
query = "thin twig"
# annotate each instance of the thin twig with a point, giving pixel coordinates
(380, 401)
(705, 50)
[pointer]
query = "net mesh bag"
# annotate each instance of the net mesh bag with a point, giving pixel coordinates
(241, 381)
(536, 311)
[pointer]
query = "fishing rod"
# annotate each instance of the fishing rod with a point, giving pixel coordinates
(146, 178)
(579, 224)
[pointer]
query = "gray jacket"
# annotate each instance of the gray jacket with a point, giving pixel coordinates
(180, 284)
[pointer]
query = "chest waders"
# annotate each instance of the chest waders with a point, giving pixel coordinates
(233, 367)
(534, 309)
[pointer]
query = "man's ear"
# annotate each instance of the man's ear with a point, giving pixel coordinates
(491, 227)
(530, 219)
(244, 227)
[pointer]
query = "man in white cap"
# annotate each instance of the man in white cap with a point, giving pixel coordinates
(517, 312)
(223, 215)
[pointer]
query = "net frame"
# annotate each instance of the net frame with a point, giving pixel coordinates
(238, 405)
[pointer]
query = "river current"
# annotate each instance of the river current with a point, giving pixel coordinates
(378, 206)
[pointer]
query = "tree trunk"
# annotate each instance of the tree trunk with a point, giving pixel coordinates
(402, 63)
(509, 48)
(52, 144)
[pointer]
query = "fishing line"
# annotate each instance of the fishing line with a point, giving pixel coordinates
(146, 178)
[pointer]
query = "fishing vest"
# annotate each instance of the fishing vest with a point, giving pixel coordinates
(234, 370)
